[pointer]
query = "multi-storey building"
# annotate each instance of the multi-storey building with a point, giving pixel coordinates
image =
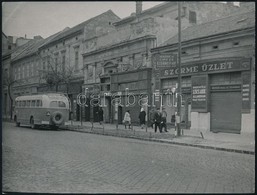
(218, 75)
(13, 52)
(62, 56)
(116, 61)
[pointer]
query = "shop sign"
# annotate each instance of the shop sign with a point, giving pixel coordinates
(209, 67)
(225, 87)
(164, 60)
(199, 93)
(157, 95)
(246, 103)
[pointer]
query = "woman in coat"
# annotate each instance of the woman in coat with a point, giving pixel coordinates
(142, 115)
(127, 119)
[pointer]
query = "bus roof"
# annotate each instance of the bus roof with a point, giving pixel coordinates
(40, 96)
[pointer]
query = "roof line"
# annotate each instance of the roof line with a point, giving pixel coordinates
(204, 37)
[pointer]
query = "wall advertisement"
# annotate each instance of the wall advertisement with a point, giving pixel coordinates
(200, 93)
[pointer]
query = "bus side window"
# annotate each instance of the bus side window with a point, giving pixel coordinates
(61, 104)
(33, 103)
(19, 103)
(23, 103)
(28, 103)
(53, 104)
(38, 103)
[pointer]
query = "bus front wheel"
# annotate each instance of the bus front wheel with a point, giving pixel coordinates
(32, 125)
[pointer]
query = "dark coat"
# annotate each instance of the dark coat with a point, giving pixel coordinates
(142, 117)
(100, 115)
(157, 117)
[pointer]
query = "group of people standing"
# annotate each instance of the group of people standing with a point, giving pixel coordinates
(158, 119)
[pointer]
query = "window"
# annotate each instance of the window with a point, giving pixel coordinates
(27, 70)
(192, 17)
(23, 103)
(33, 103)
(61, 104)
(44, 65)
(56, 61)
(22, 71)
(38, 103)
(53, 104)
(32, 69)
(9, 47)
(28, 103)
(215, 47)
(14, 73)
(63, 63)
(235, 43)
(19, 72)
(48, 63)
(36, 68)
(76, 60)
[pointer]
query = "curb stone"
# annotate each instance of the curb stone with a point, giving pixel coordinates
(161, 141)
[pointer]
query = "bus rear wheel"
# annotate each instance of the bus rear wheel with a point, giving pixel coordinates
(32, 125)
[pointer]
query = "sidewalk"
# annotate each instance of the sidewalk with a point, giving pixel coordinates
(241, 143)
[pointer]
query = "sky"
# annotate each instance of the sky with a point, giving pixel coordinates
(47, 18)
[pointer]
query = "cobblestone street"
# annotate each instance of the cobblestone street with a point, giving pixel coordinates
(64, 161)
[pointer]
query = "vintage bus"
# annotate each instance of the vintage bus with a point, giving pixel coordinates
(39, 110)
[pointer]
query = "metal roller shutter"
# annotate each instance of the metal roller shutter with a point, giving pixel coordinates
(226, 112)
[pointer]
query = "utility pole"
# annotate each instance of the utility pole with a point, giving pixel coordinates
(179, 71)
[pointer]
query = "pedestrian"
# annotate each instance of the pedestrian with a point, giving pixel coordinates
(152, 113)
(127, 119)
(100, 115)
(141, 117)
(157, 120)
(164, 120)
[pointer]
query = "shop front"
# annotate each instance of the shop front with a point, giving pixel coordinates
(215, 94)
(130, 91)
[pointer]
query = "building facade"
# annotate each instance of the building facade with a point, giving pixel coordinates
(127, 48)
(218, 75)
(114, 69)
(62, 56)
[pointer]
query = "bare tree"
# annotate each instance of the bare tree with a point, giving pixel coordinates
(56, 74)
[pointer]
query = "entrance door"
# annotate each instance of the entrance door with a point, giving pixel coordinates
(120, 115)
(226, 112)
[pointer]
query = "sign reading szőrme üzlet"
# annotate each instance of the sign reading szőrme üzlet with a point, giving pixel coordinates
(225, 65)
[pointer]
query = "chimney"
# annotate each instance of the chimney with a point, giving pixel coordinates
(25, 36)
(138, 7)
